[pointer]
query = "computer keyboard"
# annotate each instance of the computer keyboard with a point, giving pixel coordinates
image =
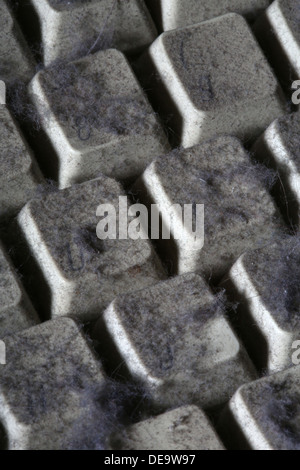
(122, 326)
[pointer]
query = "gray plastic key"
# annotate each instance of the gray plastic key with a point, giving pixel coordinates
(185, 428)
(48, 389)
(264, 415)
(16, 311)
(173, 14)
(19, 174)
(74, 29)
(278, 147)
(16, 62)
(97, 119)
(239, 214)
(265, 282)
(174, 338)
(214, 79)
(278, 32)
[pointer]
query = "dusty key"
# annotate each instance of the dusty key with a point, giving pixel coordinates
(264, 415)
(173, 14)
(278, 147)
(77, 28)
(81, 272)
(185, 428)
(16, 62)
(265, 283)
(278, 32)
(97, 118)
(49, 389)
(238, 212)
(214, 79)
(16, 310)
(19, 173)
(174, 338)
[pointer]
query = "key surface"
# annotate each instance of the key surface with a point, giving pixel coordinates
(278, 32)
(173, 14)
(265, 413)
(185, 428)
(19, 174)
(16, 62)
(97, 118)
(278, 147)
(239, 214)
(75, 29)
(265, 282)
(82, 273)
(174, 338)
(214, 79)
(16, 310)
(49, 388)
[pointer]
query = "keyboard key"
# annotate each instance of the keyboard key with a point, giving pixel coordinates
(265, 282)
(16, 311)
(97, 118)
(239, 214)
(278, 147)
(174, 338)
(16, 62)
(19, 174)
(82, 273)
(75, 29)
(185, 428)
(49, 388)
(173, 14)
(278, 33)
(264, 415)
(214, 79)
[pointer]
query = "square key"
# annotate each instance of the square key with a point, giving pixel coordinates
(264, 415)
(185, 428)
(278, 148)
(278, 32)
(174, 338)
(49, 389)
(97, 119)
(173, 14)
(80, 272)
(16, 310)
(265, 282)
(19, 174)
(77, 28)
(215, 80)
(16, 62)
(239, 213)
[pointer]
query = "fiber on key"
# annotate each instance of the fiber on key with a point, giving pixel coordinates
(264, 283)
(49, 390)
(185, 428)
(214, 79)
(264, 415)
(173, 14)
(239, 213)
(19, 173)
(16, 310)
(97, 119)
(278, 148)
(174, 338)
(16, 61)
(77, 273)
(75, 29)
